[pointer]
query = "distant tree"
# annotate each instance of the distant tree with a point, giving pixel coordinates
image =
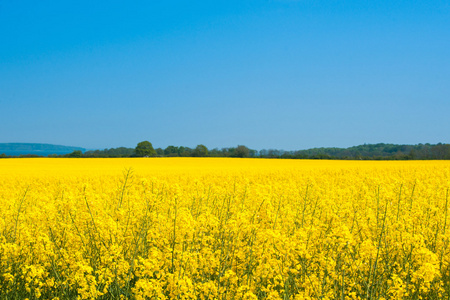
(180, 150)
(228, 152)
(200, 151)
(76, 153)
(263, 153)
(29, 155)
(241, 151)
(215, 153)
(159, 151)
(440, 151)
(113, 152)
(412, 154)
(184, 151)
(274, 153)
(171, 151)
(144, 148)
(3, 155)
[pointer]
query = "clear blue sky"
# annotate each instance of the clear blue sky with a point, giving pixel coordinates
(267, 74)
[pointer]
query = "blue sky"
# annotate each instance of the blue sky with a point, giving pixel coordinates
(267, 74)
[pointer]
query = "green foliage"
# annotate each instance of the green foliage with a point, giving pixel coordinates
(76, 153)
(378, 151)
(112, 152)
(171, 151)
(242, 151)
(200, 151)
(228, 152)
(159, 151)
(184, 151)
(144, 148)
(371, 151)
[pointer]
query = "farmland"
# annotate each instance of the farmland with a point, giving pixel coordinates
(223, 228)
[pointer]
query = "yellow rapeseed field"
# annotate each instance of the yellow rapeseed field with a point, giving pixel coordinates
(217, 228)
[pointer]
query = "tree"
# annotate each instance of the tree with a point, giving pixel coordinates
(215, 153)
(184, 151)
(242, 151)
(200, 151)
(171, 151)
(76, 153)
(144, 148)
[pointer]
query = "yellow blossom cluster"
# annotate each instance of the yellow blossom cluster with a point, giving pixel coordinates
(223, 228)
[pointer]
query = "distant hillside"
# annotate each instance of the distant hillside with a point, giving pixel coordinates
(373, 151)
(16, 149)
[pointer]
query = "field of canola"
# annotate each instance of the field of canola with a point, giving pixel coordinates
(215, 228)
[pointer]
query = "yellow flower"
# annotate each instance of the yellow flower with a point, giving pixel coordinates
(224, 228)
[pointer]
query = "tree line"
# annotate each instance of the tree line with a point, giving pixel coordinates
(379, 151)
(145, 149)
